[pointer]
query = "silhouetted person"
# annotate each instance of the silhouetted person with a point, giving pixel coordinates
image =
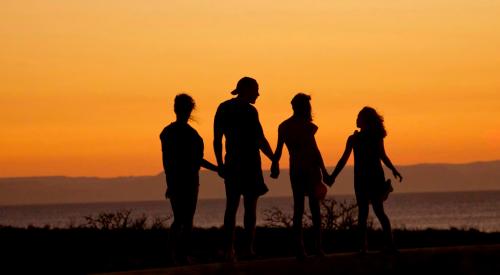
(370, 185)
(238, 121)
(182, 151)
(306, 168)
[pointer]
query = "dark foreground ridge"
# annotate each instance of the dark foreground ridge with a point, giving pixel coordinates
(480, 259)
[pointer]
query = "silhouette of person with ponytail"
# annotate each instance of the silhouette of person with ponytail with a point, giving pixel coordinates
(182, 152)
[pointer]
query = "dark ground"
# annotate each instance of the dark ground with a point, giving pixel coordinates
(84, 250)
(440, 260)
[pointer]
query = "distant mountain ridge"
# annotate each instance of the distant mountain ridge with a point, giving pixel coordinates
(476, 176)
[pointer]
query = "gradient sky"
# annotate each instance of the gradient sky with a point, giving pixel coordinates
(87, 86)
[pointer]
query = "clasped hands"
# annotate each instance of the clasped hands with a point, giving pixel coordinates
(275, 170)
(328, 179)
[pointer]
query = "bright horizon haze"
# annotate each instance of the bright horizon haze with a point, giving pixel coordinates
(87, 86)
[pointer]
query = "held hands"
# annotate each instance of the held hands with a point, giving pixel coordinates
(328, 179)
(275, 170)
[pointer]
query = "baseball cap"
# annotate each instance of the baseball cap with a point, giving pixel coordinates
(243, 84)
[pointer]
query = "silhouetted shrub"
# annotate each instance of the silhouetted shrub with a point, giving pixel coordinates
(334, 216)
(123, 219)
(275, 217)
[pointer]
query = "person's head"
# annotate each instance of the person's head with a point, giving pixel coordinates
(370, 121)
(301, 105)
(183, 106)
(247, 89)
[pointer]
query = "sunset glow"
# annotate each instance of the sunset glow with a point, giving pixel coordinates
(87, 86)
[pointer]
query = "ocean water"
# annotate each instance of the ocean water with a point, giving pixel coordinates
(480, 210)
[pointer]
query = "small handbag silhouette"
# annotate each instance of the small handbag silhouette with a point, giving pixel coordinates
(319, 191)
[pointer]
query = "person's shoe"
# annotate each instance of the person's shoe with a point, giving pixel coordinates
(249, 255)
(318, 253)
(362, 252)
(301, 255)
(230, 256)
(390, 251)
(186, 261)
(173, 259)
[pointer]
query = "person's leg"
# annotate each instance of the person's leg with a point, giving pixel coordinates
(175, 230)
(378, 208)
(298, 213)
(232, 203)
(363, 209)
(314, 206)
(189, 203)
(250, 220)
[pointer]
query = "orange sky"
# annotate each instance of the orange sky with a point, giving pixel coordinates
(86, 86)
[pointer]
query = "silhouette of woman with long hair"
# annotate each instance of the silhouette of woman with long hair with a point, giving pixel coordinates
(306, 168)
(182, 151)
(370, 185)
(238, 121)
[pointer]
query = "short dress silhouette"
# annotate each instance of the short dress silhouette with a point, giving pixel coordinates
(305, 167)
(369, 178)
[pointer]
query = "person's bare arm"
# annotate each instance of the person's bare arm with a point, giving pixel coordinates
(164, 152)
(218, 147)
(208, 165)
(266, 148)
(263, 143)
(218, 143)
(164, 160)
(385, 159)
(343, 160)
(275, 168)
(321, 163)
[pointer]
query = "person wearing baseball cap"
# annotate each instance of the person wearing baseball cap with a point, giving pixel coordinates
(238, 121)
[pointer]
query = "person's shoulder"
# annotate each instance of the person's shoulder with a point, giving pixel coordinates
(285, 124)
(312, 126)
(167, 130)
(305, 126)
(252, 107)
(227, 103)
(353, 137)
(193, 131)
(248, 109)
(195, 136)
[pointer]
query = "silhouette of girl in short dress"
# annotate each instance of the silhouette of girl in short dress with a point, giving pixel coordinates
(370, 185)
(306, 168)
(182, 151)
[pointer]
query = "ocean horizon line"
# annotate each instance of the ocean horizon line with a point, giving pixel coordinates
(223, 198)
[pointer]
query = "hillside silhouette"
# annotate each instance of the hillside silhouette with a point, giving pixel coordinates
(477, 176)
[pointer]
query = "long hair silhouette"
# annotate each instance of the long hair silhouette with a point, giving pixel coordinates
(307, 169)
(371, 122)
(182, 154)
(301, 106)
(370, 185)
